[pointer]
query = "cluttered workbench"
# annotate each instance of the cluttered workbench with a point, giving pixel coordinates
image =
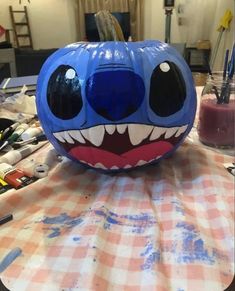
(168, 226)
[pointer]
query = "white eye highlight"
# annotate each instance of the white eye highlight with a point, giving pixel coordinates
(164, 67)
(70, 74)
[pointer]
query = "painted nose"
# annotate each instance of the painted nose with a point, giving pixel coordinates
(115, 95)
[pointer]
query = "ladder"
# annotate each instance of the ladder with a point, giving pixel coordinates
(23, 39)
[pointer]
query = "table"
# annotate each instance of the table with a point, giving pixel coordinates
(164, 227)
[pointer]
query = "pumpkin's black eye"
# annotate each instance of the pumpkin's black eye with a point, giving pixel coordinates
(167, 89)
(64, 93)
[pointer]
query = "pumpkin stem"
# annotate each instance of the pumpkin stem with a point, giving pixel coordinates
(108, 26)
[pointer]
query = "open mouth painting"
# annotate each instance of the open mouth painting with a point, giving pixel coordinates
(114, 105)
(95, 146)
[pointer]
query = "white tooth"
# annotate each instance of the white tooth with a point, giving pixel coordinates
(157, 132)
(181, 130)
(67, 137)
(77, 135)
(127, 166)
(110, 128)
(100, 166)
(121, 128)
(141, 163)
(114, 168)
(59, 136)
(94, 134)
(170, 131)
(138, 132)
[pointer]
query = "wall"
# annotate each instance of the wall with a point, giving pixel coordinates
(200, 21)
(154, 25)
(52, 22)
(227, 39)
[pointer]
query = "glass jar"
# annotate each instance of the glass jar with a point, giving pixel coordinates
(216, 124)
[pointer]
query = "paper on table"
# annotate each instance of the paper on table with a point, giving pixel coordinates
(20, 102)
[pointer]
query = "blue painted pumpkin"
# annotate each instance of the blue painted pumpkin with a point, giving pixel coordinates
(116, 105)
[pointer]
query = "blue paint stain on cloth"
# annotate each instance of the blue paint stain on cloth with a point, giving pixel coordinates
(77, 239)
(55, 232)
(9, 258)
(178, 206)
(190, 248)
(62, 221)
(151, 256)
(137, 222)
(59, 219)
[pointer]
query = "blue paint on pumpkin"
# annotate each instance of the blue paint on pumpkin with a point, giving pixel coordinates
(86, 87)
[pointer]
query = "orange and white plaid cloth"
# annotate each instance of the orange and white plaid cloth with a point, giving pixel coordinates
(164, 227)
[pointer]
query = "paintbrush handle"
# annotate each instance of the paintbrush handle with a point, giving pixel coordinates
(227, 92)
(225, 64)
(231, 65)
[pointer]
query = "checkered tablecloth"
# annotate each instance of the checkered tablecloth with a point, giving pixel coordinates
(165, 227)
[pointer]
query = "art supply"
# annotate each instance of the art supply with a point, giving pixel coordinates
(4, 186)
(216, 126)
(231, 63)
(210, 84)
(34, 169)
(7, 132)
(14, 177)
(30, 120)
(226, 86)
(6, 218)
(15, 135)
(40, 168)
(14, 156)
(52, 159)
(33, 121)
(216, 123)
(31, 132)
(34, 140)
(5, 122)
(225, 64)
(223, 25)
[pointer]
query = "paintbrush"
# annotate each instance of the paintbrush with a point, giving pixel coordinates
(209, 85)
(226, 88)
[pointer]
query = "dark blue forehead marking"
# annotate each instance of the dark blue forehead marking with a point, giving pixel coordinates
(113, 65)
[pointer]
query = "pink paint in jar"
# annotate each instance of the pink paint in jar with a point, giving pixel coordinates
(216, 125)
